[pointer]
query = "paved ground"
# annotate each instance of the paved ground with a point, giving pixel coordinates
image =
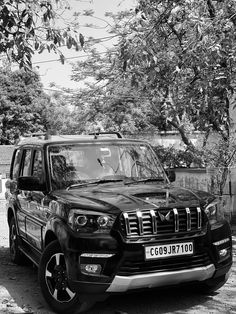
(20, 293)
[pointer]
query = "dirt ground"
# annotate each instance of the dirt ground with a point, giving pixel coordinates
(20, 293)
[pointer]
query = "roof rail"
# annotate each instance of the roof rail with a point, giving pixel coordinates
(96, 134)
(47, 136)
(39, 135)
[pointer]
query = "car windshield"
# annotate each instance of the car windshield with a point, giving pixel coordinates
(72, 164)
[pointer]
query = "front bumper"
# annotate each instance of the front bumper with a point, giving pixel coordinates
(123, 284)
(127, 270)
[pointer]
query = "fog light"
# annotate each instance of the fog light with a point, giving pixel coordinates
(91, 269)
(97, 255)
(223, 253)
(222, 241)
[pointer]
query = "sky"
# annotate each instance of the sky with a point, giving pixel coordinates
(51, 70)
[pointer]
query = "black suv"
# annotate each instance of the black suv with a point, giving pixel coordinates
(98, 215)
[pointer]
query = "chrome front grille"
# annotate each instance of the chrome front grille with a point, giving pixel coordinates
(138, 223)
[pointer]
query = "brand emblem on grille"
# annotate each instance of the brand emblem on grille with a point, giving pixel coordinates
(164, 218)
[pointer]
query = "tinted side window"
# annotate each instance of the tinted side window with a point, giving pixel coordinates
(16, 164)
(38, 165)
(25, 169)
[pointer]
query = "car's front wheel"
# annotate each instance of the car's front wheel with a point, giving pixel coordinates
(54, 282)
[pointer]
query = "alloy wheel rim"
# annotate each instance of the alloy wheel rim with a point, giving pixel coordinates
(57, 280)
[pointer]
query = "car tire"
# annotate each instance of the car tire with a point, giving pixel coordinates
(16, 255)
(54, 285)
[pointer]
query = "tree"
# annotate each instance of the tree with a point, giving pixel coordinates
(182, 54)
(107, 98)
(60, 116)
(114, 108)
(32, 25)
(177, 56)
(23, 105)
(176, 59)
(172, 56)
(25, 108)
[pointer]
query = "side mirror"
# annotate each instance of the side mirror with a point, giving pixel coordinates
(170, 174)
(30, 184)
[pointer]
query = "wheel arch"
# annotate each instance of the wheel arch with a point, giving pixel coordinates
(49, 237)
(55, 230)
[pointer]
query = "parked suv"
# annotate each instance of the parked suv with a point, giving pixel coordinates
(97, 215)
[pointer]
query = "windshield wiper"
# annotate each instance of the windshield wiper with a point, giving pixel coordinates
(158, 179)
(100, 181)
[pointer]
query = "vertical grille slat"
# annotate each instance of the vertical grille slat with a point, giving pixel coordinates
(138, 223)
(154, 221)
(127, 225)
(188, 214)
(176, 219)
(199, 218)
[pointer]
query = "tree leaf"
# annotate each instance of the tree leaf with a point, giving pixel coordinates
(81, 40)
(62, 58)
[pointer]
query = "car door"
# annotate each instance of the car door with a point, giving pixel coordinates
(37, 213)
(23, 197)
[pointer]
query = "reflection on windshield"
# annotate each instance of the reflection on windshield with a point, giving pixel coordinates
(76, 163)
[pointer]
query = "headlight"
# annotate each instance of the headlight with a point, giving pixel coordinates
(211, 211)
(89, 221)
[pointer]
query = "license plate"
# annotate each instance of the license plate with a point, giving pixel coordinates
(168, 250)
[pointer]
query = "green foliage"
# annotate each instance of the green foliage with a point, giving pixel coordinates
(60, 116)
(112, 112)
(108, 100)
(174, 62)
(171, 157)
(25, 108)
(217, 154)
(217, 157)
(28, 26)
(182, 54)
(175, 66)
(22, 105)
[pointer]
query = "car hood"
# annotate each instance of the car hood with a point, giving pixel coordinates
(114, 198)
